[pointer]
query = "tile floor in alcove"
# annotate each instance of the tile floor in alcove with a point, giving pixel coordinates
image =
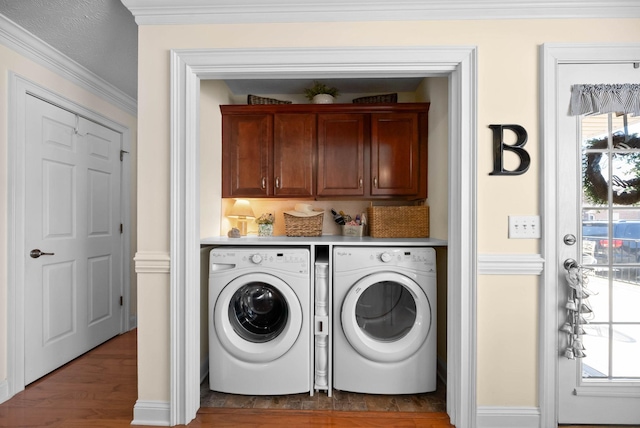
(340, 400)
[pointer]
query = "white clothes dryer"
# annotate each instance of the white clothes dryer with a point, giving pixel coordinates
(259, 320)
(384, 320)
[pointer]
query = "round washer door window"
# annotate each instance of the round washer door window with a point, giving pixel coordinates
(386, 317)
(257, 317)
(258, 312)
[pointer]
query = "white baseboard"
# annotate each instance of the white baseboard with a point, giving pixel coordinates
(133, 322)
(4, 391)
(508, 417)
(155, 413)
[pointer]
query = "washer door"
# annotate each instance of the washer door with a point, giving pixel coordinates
(386, 317)
(257, 318)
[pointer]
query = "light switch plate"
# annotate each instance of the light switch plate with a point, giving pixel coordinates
(524, 227)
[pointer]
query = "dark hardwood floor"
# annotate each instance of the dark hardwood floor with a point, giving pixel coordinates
(99, 389)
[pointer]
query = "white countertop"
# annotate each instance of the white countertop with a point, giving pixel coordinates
(254, 240)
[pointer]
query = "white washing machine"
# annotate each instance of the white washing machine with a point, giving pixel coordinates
(259, 320)
(384, 320)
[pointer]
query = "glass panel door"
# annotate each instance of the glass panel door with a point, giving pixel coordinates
(599, 202)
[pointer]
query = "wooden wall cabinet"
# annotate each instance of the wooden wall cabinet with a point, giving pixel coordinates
(341, 145)
(359, 151)
(267, 155)
(395, 155)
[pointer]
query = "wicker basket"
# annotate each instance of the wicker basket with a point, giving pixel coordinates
(399, 222)
(254, 99)
(303, 226)
(387, 98)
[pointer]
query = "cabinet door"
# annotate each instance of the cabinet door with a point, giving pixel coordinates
(395, 156)
(341, 144)
(294, 137)
(246, 153)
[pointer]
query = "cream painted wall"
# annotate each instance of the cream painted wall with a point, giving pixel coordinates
(213, 94)
(10, 61)
(508, 93)
(507, 352)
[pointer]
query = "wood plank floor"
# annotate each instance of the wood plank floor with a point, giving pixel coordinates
(99, 389)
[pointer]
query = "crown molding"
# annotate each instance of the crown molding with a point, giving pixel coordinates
(154, 12)
(26, 44)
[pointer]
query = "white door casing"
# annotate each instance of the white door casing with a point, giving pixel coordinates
(554, 107)
(188, 67)
(20, 90)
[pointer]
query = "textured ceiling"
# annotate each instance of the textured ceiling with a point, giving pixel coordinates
(100, 35)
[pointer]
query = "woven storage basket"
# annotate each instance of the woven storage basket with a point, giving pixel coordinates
(303, 226)
(399, 222)
(387, 98)
(254, 99)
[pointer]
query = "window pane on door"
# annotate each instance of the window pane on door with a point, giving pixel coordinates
(611, 247)
(626, 351)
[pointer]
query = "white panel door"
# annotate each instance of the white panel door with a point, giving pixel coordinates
(595, 158)
(73, 289)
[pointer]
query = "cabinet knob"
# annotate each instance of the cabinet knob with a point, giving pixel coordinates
(375, 182)
(264, 182)
(360, 182)
(277, 182)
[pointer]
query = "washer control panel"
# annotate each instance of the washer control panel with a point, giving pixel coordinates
(282, 259)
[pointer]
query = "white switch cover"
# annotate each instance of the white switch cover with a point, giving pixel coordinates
(524, 226)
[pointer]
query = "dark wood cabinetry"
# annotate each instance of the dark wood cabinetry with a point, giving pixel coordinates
(341, 145)
(370, 151)
(395, 155)
(294, 137)
(247, 142)
(268, 155)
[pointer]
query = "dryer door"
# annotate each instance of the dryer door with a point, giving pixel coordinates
(386, 317)
(257, 317)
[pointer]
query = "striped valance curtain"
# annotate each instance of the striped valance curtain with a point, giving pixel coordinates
(621, 98)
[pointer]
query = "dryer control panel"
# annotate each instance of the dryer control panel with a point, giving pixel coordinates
(416, 258)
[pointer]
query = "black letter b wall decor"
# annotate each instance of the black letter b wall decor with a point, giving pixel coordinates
(499, 147)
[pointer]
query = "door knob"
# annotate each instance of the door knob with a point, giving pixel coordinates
(37, 253)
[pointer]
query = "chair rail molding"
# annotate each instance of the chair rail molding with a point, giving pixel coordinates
(188, 67)
(510, 264)
(152, 262)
